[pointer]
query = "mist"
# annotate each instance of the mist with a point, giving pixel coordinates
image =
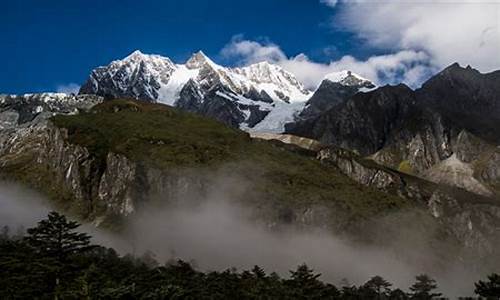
(217, 232)
(21, 207)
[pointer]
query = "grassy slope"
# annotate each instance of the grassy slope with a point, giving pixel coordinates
(165, 138)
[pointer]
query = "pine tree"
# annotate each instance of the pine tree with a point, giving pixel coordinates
(55, 239)
(489, 289)
(305, 284)
(398, 294)
(5, 233)
(423, 287)
(379, 286)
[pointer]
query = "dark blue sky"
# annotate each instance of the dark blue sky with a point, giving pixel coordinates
(50, 43)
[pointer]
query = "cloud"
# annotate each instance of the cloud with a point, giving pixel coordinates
(467, 32)
(420, 37)
(70, 88)
(248, 52)
(408, 66)
(330, 3)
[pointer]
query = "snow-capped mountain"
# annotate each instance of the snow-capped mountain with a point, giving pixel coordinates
(335, 89)
(348, 78)
(258, 97)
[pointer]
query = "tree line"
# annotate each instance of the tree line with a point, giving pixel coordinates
(55, 261)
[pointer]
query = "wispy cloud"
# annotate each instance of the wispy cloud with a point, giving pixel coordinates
(466, 31)
(248, 51)
(70, 88)
(419, 38)
(331, 3)
(408, 66)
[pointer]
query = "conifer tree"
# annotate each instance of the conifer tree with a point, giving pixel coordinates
(423, 288)
(56, 237)
(489, 289)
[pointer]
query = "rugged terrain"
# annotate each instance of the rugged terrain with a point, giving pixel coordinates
(105, 163)
(368, 164)
(108, 162)
(445, 131)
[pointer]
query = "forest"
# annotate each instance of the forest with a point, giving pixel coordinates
(54, 260)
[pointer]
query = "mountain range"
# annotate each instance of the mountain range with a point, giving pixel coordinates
(260, 97)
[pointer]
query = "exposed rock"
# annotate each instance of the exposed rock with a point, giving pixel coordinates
(455, 172)
(469, 148)
(305, 143)
(473, 220)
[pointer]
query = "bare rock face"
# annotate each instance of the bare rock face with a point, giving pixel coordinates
(349, 164)
(469, 147)
(301, 142)
(491, 168)
(472, 220)
(455, 172)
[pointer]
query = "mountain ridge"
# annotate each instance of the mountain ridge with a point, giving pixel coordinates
(421, 130)
(260, 93)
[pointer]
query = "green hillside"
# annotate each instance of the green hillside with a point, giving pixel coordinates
(163, 137)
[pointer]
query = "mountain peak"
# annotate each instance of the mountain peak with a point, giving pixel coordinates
(137, 54)
(456, 71)
(198, 59)
(348, 78)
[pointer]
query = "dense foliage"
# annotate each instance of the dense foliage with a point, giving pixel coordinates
(53, 261)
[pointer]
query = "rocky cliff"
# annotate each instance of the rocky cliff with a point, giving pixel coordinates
(472, 219)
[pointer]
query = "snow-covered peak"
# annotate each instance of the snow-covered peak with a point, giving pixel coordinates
(137, 54)
(278, 83)
(137, 57)
(253, 91)
(349, 78)
(198, 60)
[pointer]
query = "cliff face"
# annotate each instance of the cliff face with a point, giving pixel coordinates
(93, 188)
(473, 220)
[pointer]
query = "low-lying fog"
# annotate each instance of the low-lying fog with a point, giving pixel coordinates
(217, 234)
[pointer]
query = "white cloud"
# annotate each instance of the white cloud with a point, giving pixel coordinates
(248, 52)
(68, 88)
(411, 67)
(420, 37)
(466, 31)
(330, 3)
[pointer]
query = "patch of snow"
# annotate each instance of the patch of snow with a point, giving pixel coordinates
(281, 114)
(169, 93)
(340, 76)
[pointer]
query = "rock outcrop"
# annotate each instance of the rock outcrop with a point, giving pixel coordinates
(471, 219)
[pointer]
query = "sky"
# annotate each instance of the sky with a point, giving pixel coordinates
(53, 45)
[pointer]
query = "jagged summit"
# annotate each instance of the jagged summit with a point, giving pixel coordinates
(241, 97)
(198, 59)
(348, 78)
(134, 55)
